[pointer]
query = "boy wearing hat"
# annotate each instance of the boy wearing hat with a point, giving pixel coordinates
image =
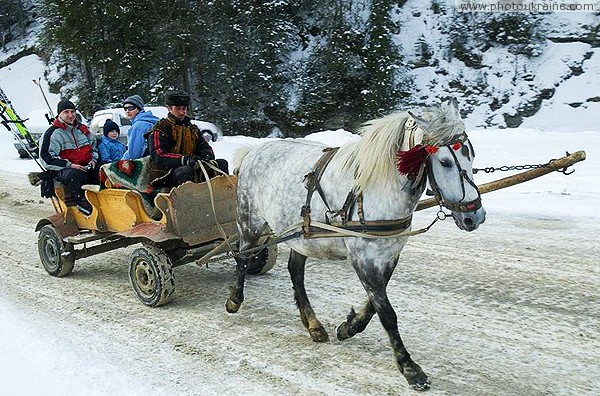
(69, 149)
(141, 122)
(110, 148)
(177, 145)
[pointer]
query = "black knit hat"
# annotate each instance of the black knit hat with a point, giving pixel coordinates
(110, 125)
(64, 105)
(177, 98)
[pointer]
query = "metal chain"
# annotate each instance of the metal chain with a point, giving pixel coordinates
(509, 168)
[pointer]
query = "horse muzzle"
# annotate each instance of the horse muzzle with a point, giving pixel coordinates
(469, 221)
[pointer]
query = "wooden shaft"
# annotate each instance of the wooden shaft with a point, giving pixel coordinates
(518, 178)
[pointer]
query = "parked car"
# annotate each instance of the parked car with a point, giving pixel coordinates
(118, 116)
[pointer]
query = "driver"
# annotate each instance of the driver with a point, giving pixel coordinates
(177, 145)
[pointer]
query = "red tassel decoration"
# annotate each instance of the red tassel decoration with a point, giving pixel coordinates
(409, 162)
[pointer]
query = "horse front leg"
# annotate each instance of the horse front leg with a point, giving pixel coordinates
(296, 266)
(375, 281)
(356, 323)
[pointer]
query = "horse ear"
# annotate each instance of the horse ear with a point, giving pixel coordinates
(421, 122)
(454, 103)
(452, 106)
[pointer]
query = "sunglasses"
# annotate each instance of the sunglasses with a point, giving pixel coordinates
(129, 108)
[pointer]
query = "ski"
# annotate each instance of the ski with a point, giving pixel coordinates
(9, 117)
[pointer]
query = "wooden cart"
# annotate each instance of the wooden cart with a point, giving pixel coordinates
(195, 221)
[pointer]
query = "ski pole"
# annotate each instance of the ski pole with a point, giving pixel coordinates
(44, 95)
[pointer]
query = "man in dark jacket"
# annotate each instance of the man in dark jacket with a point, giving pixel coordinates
(177, 145)
(69, 149)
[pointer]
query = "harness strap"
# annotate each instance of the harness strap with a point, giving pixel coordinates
(376, 228)
(311, 180)
(345, 213)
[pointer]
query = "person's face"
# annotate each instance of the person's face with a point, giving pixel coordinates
(130, 111)
(69, 116)
(113, 134)
(178, 111)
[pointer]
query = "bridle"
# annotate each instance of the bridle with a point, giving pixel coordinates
(459, 206)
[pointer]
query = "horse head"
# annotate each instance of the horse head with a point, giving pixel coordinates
(447, 155)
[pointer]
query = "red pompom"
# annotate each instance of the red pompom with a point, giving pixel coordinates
(409, 162)
(431, 149)
(456, 145)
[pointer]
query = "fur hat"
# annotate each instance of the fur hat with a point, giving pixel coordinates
(64, 105)
(135, 100)
(110, 125)
(177, 98)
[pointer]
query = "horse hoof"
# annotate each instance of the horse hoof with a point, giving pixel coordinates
(231, 307)
(421, 386)
(343, 332)
(417, 379)
(318, 334)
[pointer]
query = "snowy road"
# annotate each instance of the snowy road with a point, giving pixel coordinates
(510, 309)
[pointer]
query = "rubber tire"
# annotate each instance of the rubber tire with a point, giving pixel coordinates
(263, 261)
(151, 276)
(23, 154)
(50, 248)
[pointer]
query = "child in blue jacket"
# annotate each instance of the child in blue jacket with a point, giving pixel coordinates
(110, 149)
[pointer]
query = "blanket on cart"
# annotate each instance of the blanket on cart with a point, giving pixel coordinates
(137, 174)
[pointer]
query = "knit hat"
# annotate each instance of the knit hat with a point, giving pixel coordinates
(110, 125)
(64, 105)
(177, 98)
(135, 100)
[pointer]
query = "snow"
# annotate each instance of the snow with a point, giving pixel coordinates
(30, 348)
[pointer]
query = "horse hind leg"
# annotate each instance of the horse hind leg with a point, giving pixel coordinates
(355, 323)
(249, 237)
(296, 266)
(236, 295)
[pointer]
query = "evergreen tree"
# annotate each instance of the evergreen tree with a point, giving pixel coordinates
(243, 46)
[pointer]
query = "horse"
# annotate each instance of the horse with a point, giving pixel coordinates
(387, 170)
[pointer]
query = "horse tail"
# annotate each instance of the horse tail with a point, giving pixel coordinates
(238, 157)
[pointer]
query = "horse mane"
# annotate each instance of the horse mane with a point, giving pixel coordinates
(239, 155)
(372, 159)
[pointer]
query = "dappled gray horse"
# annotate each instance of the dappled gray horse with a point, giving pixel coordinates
(377, 182)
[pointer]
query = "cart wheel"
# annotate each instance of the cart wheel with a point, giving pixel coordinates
(151, 276)
(23, 154)
(263, 261)
(51, 247)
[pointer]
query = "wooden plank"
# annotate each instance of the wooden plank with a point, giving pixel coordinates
(194, 206)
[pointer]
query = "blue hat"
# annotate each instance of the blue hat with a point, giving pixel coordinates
(110, 125)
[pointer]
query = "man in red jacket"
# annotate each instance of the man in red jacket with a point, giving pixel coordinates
(69, 149)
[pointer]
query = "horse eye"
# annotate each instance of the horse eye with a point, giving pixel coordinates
(446, 163)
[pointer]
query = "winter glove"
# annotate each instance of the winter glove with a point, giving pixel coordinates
(191, 161)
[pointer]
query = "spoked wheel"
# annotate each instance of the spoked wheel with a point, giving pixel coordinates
(151, 276)
(51, 247)
(264, 260)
